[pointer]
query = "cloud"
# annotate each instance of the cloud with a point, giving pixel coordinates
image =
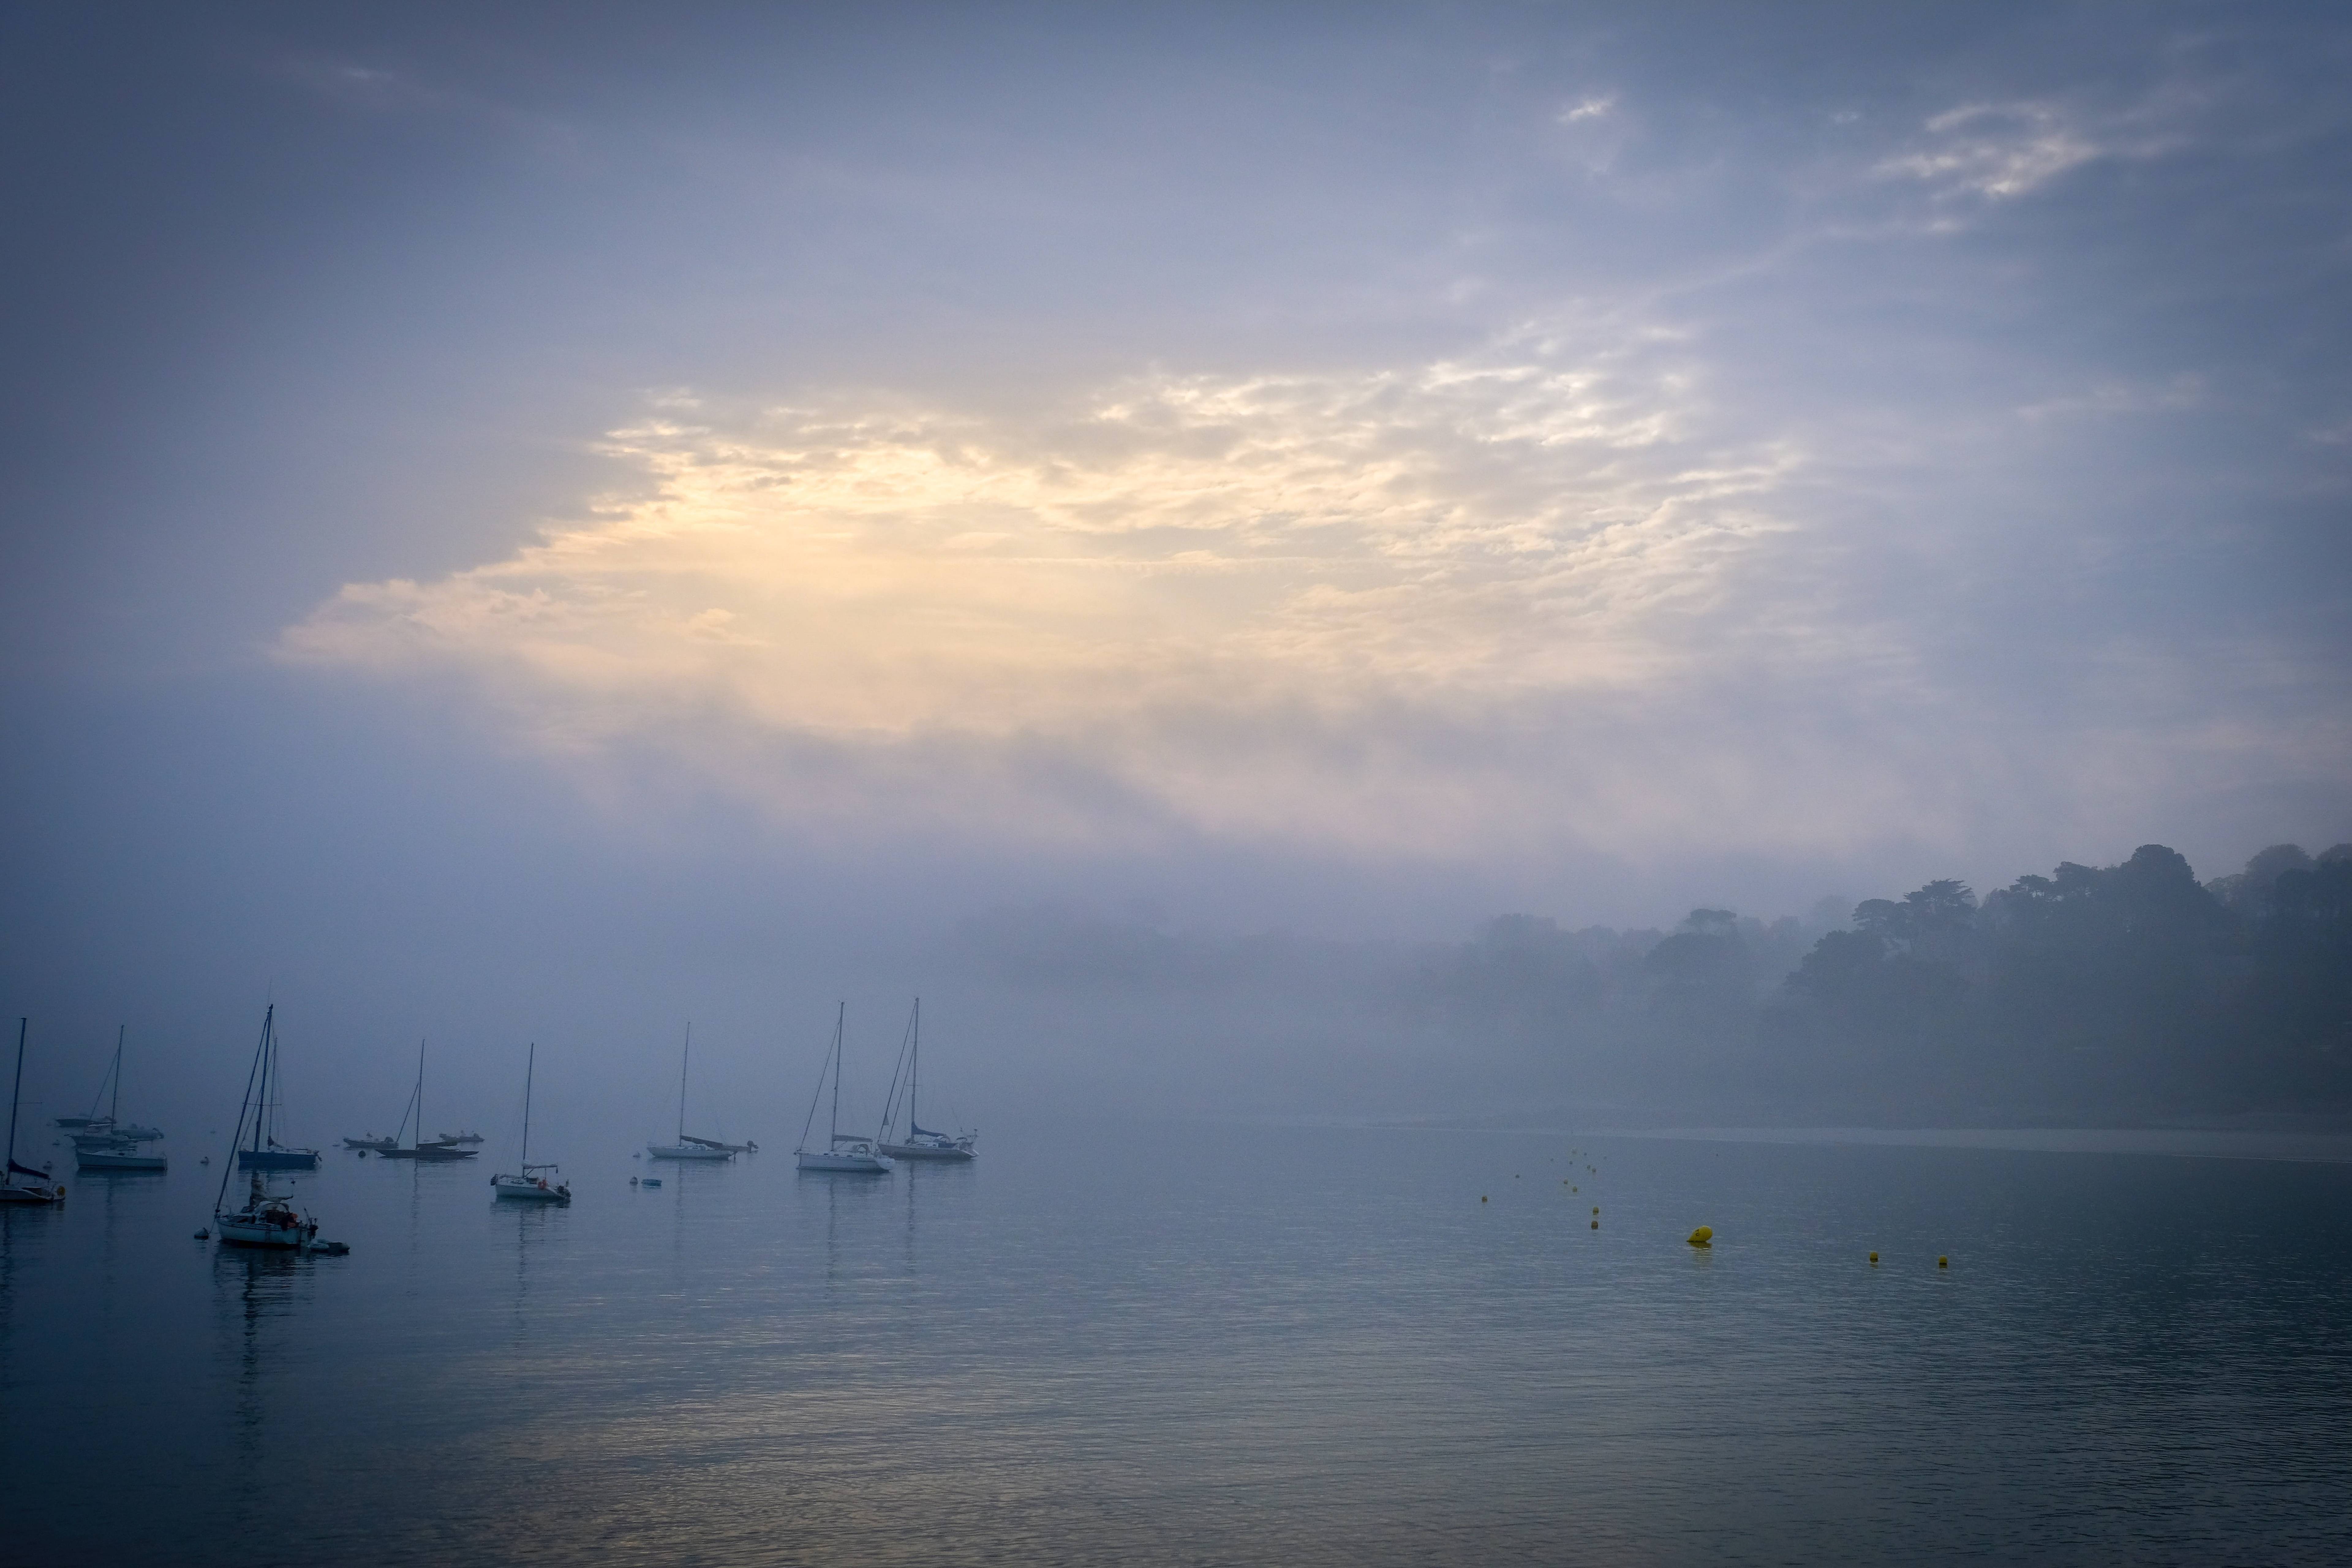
(2174, 394)
(1996, 151)
(2000, 150)
(1318, 604)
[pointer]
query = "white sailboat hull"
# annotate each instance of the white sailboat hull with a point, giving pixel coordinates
(929, 1152)
(687, 1151)
(238, 1231)
(116, 1160)
(845, 1161)
(13, 1193)
(530, 1191)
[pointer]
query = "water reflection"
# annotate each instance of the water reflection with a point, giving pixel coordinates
(254, 1289)
(22, 1229)
(1308, 1349)
(533, 1226)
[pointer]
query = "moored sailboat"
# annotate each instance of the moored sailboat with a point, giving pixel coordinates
(23, 1184)
(920, 1143)
(420, 1150)
(688, 1148)
(530, 1187)
(118, 1147)
(268, 1153)
(268, 1219)
(849, 1155)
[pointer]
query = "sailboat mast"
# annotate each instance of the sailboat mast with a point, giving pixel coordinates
(114, 1107)
(530, 1063)
(251, 1074)
(14, 1095)
(419, 1134)
(915, 1070)
(682, 1064)
(838, 1019)
(261, 1106)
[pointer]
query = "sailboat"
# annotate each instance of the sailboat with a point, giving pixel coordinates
(920, 1143)
(688, 1148)
(21, 1183)
(852, 1155)
(527, 1187)
(268, 1153)
(421, 1150)
(117, 1147)
(93, 1129)
(267, 1219)
(93, 1122)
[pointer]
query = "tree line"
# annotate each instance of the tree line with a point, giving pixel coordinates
(2091, 993)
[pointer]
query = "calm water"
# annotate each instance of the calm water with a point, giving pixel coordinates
(1190, 1344)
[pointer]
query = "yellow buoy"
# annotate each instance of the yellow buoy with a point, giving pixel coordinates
(1702, 1237)
(1596, 1208)
(1942, 1262)
(1873, 1259)
(1482, 1197)
(1596, 1225)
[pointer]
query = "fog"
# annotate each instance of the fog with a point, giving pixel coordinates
(1265, 565)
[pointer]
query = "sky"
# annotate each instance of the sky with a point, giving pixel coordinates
(574, 517)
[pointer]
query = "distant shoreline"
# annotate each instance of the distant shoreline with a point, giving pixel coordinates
(2327, 1143)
